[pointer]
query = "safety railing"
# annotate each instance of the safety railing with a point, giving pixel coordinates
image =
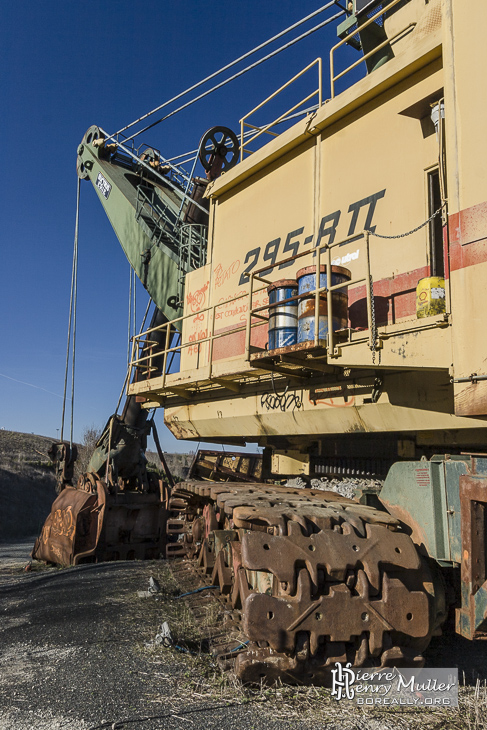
(173, 170)
(266, 129)
(385, 7)
(327, 288)
(193, 239)
(151, 208)
(164, 178)
(143, 355)
(144, 362)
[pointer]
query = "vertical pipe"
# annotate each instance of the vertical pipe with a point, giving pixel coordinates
(129, 315)
(166, 347)
(212, 332)
(317, 296)
(332, 76)
(248, 324)
(320, 82)
(131, 365)
(242, 139)
(329, 305)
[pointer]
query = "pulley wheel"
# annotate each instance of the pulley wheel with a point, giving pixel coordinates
(93, 133)
(150, 155)
(219, 145)
(81, 169)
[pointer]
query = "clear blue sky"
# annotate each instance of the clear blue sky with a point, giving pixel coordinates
(64, 66)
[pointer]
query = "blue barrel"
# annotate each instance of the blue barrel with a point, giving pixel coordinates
(283, 318)
(306, 309)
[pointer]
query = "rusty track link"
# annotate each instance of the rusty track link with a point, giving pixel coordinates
(311, 577)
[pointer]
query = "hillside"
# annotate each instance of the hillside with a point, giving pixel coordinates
(178, 464)
(27, 482)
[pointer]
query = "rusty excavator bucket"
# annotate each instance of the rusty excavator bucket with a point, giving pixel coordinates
(97, 521)
(118, 509)
(72, 531)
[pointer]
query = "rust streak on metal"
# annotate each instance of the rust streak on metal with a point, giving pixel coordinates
(312, 578)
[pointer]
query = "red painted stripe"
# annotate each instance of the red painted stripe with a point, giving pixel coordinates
(394, 298)
(468, 237)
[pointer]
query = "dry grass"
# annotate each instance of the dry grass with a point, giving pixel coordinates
(315, 706)
(21, 451)
(203, 680)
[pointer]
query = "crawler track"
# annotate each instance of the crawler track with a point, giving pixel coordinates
(310, 578)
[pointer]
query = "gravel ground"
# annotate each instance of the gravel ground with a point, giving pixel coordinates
(16, 553)
(74, 656)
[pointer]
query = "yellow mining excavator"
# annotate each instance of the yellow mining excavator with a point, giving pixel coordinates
(371, 369)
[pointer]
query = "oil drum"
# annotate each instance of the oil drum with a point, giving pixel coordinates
(283, 318)
(430, 296)
(306, 309)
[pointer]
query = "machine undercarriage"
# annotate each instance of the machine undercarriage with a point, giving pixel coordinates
(312, 578)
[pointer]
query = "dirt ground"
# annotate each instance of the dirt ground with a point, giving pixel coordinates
(77, 653)
(73, 654)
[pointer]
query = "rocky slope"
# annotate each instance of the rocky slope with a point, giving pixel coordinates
(27, 482)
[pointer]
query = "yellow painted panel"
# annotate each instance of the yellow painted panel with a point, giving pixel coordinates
(251, 228)
(466, 98)
(373, 174)
(196, 326)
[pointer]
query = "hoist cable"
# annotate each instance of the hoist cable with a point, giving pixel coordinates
(75, 301)
(129, 327)
(239, 73)
(72, 305)
(128, 365)
(229, 65)
(132, 310)
(192, 155)
(134, 307)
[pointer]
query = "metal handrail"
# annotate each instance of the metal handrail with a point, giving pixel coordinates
(365, 56)
(280, 118)
(154, 172)
(157, 212)
(148, 205)
(330, 347)
(255, 313)
(140, 341)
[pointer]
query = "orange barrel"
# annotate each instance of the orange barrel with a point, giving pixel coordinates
(283, 318)
(306, 308)
(430, 296)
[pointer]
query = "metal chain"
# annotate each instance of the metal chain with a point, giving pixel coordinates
(400, 235)
(373, 326)
(409, 233)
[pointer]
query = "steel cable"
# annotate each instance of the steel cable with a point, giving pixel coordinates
(239, 73)
(72, 322)
(128, 364)
(229, 65)
(129, 328)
